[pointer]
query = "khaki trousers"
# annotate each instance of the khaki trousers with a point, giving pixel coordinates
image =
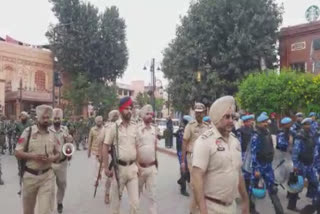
(128, 177)
(60, 170)
(38, 189)
(147, 178)
(193, 204)
(214, 208)
(103, 179)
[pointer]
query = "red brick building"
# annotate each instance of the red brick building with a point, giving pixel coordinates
(300, 47)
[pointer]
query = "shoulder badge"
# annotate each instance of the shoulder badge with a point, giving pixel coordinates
(207, 134)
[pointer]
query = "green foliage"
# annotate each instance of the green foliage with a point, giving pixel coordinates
(88, 42)
(144, 99)
(285, 93)
(229, 35)
(81, 91)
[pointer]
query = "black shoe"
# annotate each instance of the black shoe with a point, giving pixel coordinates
(60, 208)
(1, 182)
(185, 193)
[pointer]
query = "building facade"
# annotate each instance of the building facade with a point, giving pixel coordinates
(300, 47)
(26, 76)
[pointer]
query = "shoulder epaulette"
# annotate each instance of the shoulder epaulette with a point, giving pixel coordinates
(192, 122)
(207, 134)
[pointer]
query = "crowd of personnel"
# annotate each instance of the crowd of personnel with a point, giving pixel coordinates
(224, 156)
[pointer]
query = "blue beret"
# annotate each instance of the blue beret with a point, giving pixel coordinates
(286, 120)
(265, 113)
(187, 118)
(312, 114)
(247, 117)
(262, 117)
(206, 119)
(307, 120)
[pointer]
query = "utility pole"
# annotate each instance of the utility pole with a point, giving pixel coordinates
(153, 85)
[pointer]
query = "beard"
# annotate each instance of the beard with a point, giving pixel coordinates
(57, 124)
(127, 116)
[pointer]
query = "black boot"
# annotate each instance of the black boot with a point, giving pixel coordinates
(276, 203)
(60, 208)
(1, 181)
(292, 202)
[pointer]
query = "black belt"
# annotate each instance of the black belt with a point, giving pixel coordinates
(217, 201)
(125, 163)
(36, 172)
(63, 159)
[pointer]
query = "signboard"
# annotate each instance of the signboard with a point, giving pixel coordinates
(312, 13)
(298, 46)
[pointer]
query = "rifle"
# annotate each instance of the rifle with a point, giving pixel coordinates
(97, 181)
(22, 163)
(115, 160)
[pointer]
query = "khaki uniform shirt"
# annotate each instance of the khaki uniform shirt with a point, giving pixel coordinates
(61, 136)
(221, 162)
(147, 139)
(40, 143)
(192, 131)
(94, 136)
(127, 140)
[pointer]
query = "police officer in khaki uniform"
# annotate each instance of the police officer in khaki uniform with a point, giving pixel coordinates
(60, 167)
(38, 183)
(95, 147)
(147, 159)
(191, 133)
(123, 135)
(113, 116)
(216, 171)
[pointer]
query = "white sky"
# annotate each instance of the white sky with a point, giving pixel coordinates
(150, 25)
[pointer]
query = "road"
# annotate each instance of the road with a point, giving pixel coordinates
(79, 197)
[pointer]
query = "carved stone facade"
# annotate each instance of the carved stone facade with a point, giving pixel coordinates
(25, 78)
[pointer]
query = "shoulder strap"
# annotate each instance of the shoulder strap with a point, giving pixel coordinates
(117, 139)
(26, 149)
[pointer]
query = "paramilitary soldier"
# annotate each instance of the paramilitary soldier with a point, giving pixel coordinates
(39, 148)
(60, 167)
(295, 128)
(3, 132)
(122, 137)
(191, 133)
(11, 127)
(147, 157)
(262, 152)
(244, 135)
(216, 173)
(303, 156)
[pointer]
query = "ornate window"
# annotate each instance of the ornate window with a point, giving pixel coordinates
(40, 80)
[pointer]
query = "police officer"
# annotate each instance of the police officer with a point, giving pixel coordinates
(22, 124)
(60, 167)
(39, 148)
(216, 172)
(244, 135)
(95, 147)
(284, 139)
(147, 157)
(303, 156)
(184, 176)
(113, 116)
(262, 152)
(314, 124)
(191, 133)
(123, 136)
(295, 128)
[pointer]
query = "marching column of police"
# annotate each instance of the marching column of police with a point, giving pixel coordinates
(222, 156)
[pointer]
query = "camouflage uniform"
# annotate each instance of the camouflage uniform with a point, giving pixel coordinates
(11, 127)
(3, 130)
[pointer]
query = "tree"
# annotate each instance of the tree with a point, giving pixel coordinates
(261, 92)
(85, 41)
(224, 40)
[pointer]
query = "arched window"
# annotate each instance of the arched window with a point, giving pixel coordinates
(40, 80)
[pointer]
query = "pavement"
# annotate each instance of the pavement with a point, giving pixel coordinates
(79, 196)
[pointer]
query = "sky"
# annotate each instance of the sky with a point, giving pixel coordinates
(151, 25)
